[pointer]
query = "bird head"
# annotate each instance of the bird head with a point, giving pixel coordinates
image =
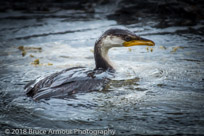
(123, 38)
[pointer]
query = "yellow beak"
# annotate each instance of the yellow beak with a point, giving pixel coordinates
(142, 41)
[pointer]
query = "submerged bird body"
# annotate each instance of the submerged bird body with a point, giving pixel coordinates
(67, 82)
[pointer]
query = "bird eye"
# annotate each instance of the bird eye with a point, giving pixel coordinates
(127, 38)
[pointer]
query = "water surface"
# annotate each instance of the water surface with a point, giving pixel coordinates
(155, 91)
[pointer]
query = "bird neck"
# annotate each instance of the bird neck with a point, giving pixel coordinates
(101, 56)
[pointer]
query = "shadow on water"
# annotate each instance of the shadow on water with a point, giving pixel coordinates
(156, 91)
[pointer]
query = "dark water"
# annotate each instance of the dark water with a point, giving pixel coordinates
(156, 91)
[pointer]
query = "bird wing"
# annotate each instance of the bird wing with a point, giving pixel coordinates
(65, 83)
(67, 89)
(36, 86)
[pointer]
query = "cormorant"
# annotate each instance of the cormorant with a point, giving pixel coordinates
(80, 79)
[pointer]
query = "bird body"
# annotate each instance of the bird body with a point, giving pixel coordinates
(70, 81)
